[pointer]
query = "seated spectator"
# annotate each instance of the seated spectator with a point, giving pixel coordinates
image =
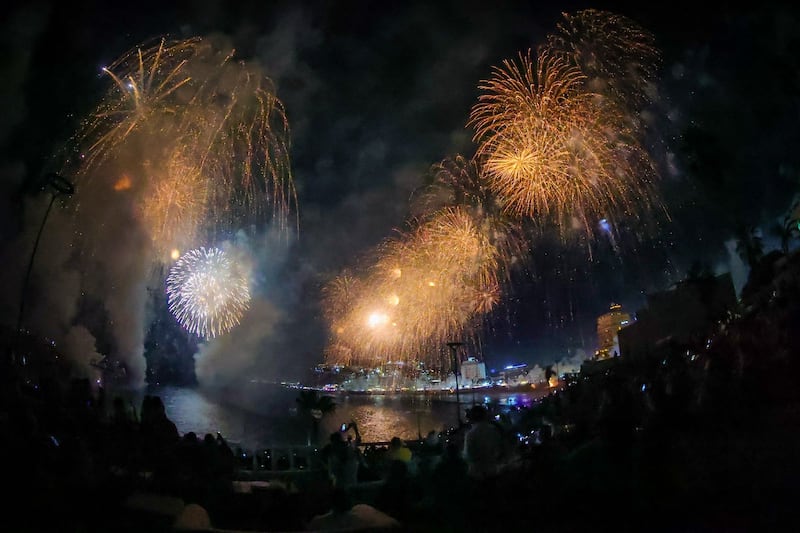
(429, 453)
(399, 494)
(432, 442)
(452, 468)
(344, 516)
(450, 482)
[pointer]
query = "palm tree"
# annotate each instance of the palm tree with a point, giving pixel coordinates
(749, 245)
(315, 406)
(789, 229)
(784, 232)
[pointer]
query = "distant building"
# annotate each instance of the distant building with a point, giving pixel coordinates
(687, 314)
(473, 370)
(510, 373)
(608, 327)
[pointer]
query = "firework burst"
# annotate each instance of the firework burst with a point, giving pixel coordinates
(461, 183)
(423, 288)
(200, 138)
(559, 143)
(143, 80)
(208, 292)
(551, 153)
(618, 57)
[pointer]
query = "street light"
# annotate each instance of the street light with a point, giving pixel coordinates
(453, 347)
(59, 186)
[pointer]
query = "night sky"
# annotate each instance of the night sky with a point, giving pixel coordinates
(377, 92)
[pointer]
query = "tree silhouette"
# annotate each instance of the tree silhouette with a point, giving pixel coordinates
(699, 271)
(749, 245)
(789, 228)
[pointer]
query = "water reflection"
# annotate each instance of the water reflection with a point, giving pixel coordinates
(259, 415)
(380, 417)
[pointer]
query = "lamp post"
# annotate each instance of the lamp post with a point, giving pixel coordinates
(59, 186)
(316, 414)
(453, 347)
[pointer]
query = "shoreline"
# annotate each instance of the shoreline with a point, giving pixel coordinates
(467, 393)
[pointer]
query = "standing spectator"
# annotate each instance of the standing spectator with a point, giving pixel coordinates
(398, 451)
(342, 459)
(483, 445)
(123, 443)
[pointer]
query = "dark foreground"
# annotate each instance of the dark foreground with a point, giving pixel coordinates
(698, 436)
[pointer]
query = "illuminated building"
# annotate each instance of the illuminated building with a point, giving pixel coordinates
(608, 326)
(473, 370)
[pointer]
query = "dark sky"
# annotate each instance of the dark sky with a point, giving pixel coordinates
(376, 92)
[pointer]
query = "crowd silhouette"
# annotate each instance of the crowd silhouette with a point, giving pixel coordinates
(700, 436)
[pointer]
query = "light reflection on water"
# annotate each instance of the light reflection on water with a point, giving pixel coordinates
(259, 415)
(380, 418)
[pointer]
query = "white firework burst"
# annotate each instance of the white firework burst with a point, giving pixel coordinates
(208, 292)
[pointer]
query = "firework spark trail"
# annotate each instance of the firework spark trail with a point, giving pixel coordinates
(207, 292)
(618, 57)
(134, 100)
(201, 140)
(460, 183)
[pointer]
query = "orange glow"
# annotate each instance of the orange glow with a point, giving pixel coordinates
(123, 183)
(405, 318)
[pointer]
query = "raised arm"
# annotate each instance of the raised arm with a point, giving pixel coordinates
(355, 430)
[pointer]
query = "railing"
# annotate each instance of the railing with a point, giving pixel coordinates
(279, 460)
(286, 460)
